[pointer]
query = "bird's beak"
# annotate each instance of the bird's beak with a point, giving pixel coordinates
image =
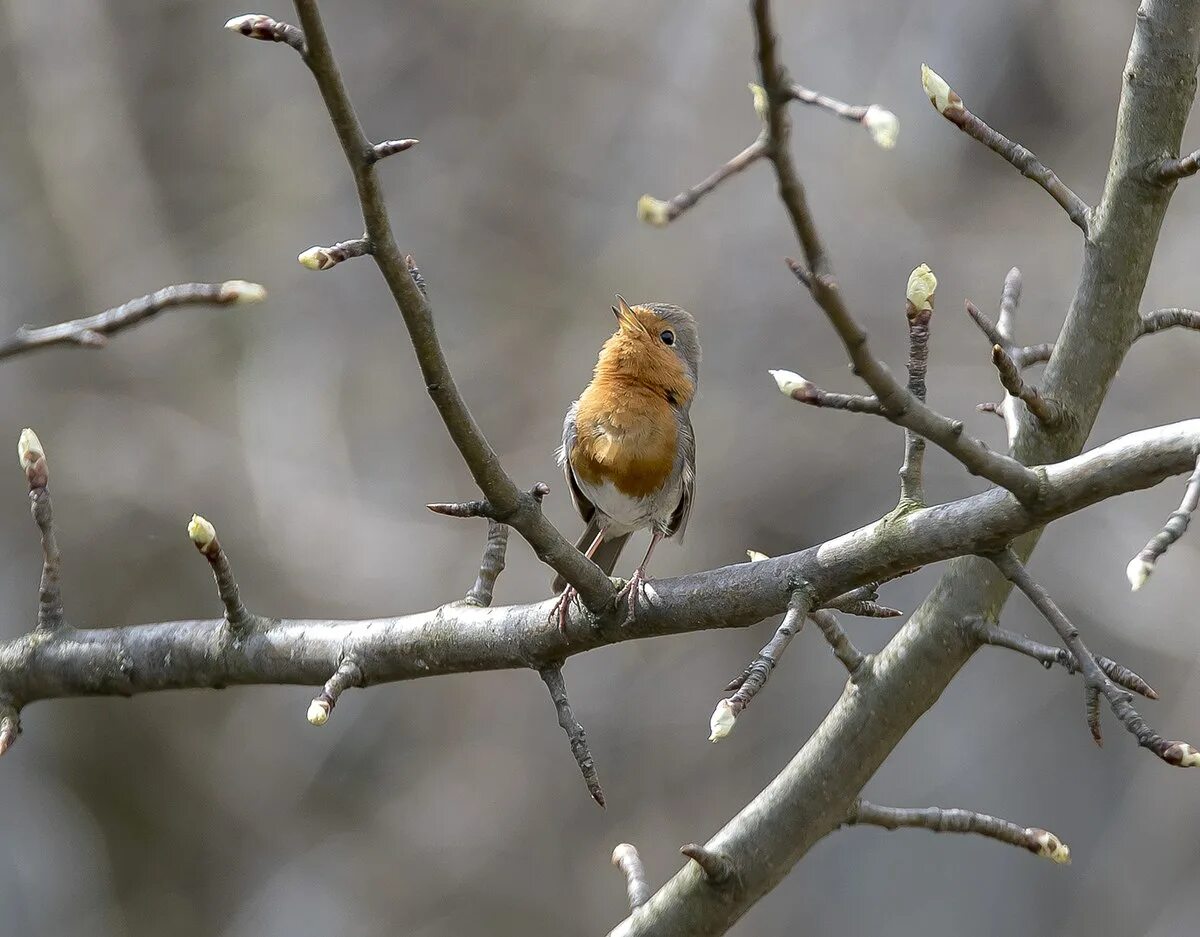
(626, 316)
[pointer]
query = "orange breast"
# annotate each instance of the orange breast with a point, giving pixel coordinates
(626, 434)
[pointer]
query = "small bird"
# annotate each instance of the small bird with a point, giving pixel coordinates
(628, 451)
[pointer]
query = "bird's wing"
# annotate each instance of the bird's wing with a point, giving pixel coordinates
(581, 501)
(686, 467)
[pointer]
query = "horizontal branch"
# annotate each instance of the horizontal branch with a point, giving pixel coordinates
(1172, 170)
(950, 105)
(952, 820)
(800, 388)
(881, 124)
(93, 331)
(460, 638)
(1171, 318)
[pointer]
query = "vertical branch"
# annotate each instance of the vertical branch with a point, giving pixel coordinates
(922, 285)
(625, 857)
(480, 594)
(32, 458)
(553, 678)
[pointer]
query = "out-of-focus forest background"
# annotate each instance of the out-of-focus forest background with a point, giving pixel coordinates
(143, 145)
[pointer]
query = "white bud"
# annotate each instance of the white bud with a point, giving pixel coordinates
(789, 382)
(1138, 572)
(241, 291)
(882, 125)
(201, 531)
(721, 723)
(316, 258)
(29, 448)
(1188, 757)
(247, 21)
(921, 286)
(653, 211)
(755, 556)
(1052, 848)
(940, 94)
(318, 712)
(761, 102)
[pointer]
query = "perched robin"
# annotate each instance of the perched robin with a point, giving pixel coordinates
(627, 450)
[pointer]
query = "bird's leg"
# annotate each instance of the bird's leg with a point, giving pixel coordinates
(638, 578)
(563, 610)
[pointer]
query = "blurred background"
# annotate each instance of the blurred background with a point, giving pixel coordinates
(143, 145)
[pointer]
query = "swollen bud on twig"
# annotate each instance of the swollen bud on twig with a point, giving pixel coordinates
(922, 284)
(1182, 754)
(318, 712)
(761, 103)
(882, 125)
(32, 459)
(791, 384)
(241, 292)
(940, 94)
(201, 531)
(1138, 572)
(1051, 847)
(721, 723)
(756, 557)
(653, 211)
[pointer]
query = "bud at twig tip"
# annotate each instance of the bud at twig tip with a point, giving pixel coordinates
(201, 531)
(1051, 847)
(315, 258)
(1183, 754)
(922, 284)
(1138, 572)
(940, 94)
(29, 449)
(242, 291)
(756, 557)
(653, 211)
(789, 382)
(721, 723)
(318, 712)
(882, 125)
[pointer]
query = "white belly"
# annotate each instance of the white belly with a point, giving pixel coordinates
(623, 514)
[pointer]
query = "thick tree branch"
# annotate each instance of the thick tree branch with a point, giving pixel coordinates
(950, 106)
(460, 638)
(952, 820)
(93, 331)
(510, 505)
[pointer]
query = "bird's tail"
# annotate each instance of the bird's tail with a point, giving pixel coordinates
(605, 557)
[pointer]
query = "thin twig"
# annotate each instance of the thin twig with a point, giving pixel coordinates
(490, 567)
(1119, 699)
(93, 331)
(32, 457)
(879, 122)
(1047, 412)
(1169, 318)
(755, 676)
(1048, 655)
(347, 675)
(1142, 565)
(950, 106)
(204, 536)
(625, 857)
(511, 505)
(843, 648)
(322, 258)
(1172, 170)
(912, 487)
(986, 326)
(1028, 355)
(899, 406)
(800, 388)
(953, 820)
(553, 678)
(658, 213)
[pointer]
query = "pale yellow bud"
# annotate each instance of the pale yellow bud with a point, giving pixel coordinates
(882, 125)
(921, 286)
(201, 531)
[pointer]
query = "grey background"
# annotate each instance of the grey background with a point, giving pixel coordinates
(143, 145)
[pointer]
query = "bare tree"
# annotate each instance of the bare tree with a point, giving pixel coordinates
(986, 538)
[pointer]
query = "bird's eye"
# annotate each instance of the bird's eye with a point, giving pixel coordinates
(668, 337)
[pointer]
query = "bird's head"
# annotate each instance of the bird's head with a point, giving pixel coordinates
(655, 345)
